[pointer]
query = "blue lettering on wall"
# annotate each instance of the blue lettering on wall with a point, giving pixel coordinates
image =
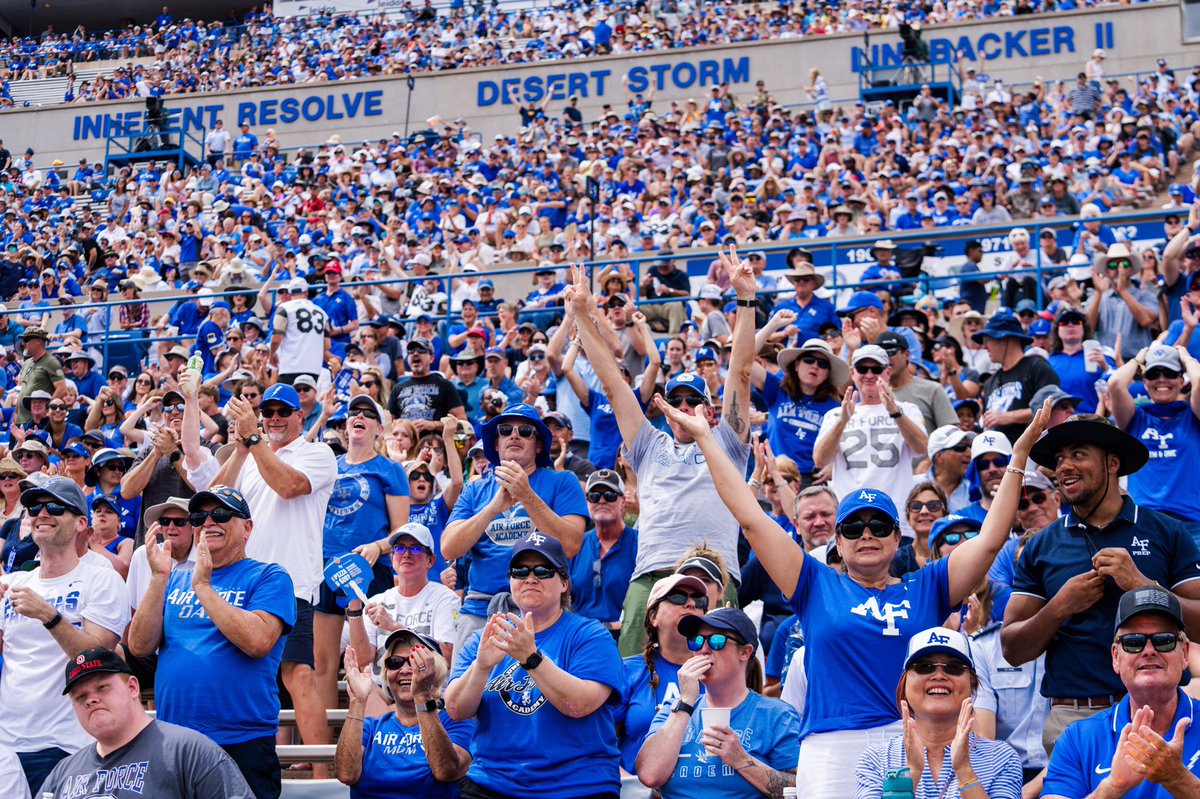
(256, 113)
(990, 46)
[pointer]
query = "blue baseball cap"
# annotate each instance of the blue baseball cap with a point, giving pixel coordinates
(547, 546)
(867, 499)
(223, 495)
(1040, 327)
(514, 413)
(728, 619)
(860, 300)
(690, 381)
(487, 283)
(220, 305)
(76, 449)
(282, 392)
(706, 354)
(943, 525)
(57, 489)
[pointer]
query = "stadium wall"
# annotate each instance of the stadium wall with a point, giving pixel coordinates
(1019, 50)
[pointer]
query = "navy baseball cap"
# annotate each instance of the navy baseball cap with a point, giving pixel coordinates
(867, 499)
(547, 546)
(728, 619)
(283, 393)
(223, 495)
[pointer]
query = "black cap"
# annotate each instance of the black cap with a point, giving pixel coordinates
(412, 636)
(891, 340)
(546, 546)
(703, 564)
(97, 660)
(730, 619)
(1149, 600)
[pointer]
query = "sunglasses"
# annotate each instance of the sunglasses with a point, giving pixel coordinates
(414, 550)
(1160, 372)
(831, 335)
(1036, 498)
(53, 508)
(959, 448)
(855, 528)
(57, 406)
(10, 476)
(933, 506)
(1135, 643)
(394, 662)
(523, 572)
(812, 360)
(304, 388)
(271, 413)
(173, 521)
(367, 412)
(999, 462)
(367, 383)
(537, 356)
(691, 400)
(954, 539)
(680, 598)
(607, 496)
(523, 430)
(219, 515)
(716, 641)
(865, 369)
(1121, 264)
(116, 466)
(949, 669)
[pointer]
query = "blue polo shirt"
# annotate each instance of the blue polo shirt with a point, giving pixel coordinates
(1161, 548)
(1172, 434)
(598, 585)
(810, 318)
(1083, 755)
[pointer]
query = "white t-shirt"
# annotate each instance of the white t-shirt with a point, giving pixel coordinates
(304, 326)
(872, 452)
(139, 573)
(34, 714)
(431, 612)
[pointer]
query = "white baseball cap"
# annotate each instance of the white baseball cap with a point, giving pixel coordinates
(937, 640)
(991, 441)
(871, 352)
(944, 438)
(414, 529)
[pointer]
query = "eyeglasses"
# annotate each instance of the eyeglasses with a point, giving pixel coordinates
(607, 496)
(692, 400)
(53, 508)
(949, 669)
(1135, 643)
(1036, 498)
(1160, 372)
(933, 506)
(177, 408)
(716, 641)
(414, 550)
(680, 598)
(271, 413)
(366, 412)
(173, 521)
(219, 515)
(954, 539)
(864, 369)
(812, 360)
(523, 572)
(999, 462)
(854, 529)
(523, 430)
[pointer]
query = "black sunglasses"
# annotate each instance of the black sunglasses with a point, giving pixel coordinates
(692, 400)
(864, 369)
(523, 572)
(680, 598)
(219, 515)
(1134, 643)
(367, 383)
(933, 506)
(53, 508)
(394, 662)
(813, 360)
(949, 669)
(271, 413)
(367, 412)
(173, 521)
(1036, 498)
(523, 430)
(854, 529)
(1159, 372)
(607, 496)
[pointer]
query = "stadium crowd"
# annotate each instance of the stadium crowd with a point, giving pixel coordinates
(731, 538)
(261, 49)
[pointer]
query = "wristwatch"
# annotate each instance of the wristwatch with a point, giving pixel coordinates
(50, 625)
(432, 706)
(534, 661)
(251, 440)
(175, 456)
(683, 707)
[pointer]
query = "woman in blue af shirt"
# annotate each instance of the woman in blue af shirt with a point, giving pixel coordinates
(417, 748)
(543, 686)
(857, 624)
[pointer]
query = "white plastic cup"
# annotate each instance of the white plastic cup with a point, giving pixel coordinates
(1089, 347)
(716, 717)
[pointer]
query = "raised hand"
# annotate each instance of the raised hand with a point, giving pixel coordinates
(849, 403)
(424, 676)
(741, 275)
(691, 674)
(960, 747)
(158, 556)
(577, 293)
(696, 424)
(514, 480)
(1123, 772)
(914, 748)
(1154, 758)
(1037, 426)
(358, 680)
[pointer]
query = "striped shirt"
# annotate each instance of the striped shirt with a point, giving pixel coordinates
(995, 763)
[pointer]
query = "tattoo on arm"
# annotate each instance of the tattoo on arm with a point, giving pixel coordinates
(776, 780)
(735, 421)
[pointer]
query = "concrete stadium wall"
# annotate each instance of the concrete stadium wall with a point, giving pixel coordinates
(1019, 49)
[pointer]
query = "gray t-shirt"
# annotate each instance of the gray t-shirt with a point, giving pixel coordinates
(164, 761)
(714, 325)
(680, 504)
(932, 401)
(1115, 317)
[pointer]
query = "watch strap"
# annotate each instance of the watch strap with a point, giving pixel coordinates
(534, 661)
(432, 705)
(683, 707)
(747, 303)
(50, 625)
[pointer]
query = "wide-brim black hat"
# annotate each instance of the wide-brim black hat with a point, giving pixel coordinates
(1091, 429)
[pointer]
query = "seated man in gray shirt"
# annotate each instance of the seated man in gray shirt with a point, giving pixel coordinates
(927, 395)
(680, 506)
(134, 755)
